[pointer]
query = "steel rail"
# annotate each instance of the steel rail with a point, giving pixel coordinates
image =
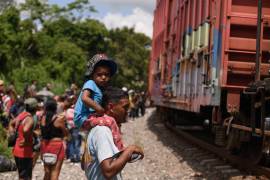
(240, 163)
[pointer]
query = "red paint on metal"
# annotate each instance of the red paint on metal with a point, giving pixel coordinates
(180, 23)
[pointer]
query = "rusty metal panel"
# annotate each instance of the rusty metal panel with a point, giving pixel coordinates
(239, 45)
(204, 46)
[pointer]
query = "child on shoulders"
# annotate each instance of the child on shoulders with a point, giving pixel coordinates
(88, 110)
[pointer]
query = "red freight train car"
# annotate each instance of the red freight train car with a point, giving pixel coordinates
(206, 56)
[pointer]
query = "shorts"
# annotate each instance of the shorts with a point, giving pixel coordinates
(53, 146)
(24, 166)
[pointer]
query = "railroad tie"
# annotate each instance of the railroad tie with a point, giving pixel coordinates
(199, 155)
(227, 173)
(191, 150)
(222, 167)
(208, 161)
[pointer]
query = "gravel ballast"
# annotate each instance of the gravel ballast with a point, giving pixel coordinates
(167, 157)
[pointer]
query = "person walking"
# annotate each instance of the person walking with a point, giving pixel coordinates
(23, 149)
(141, 103)
(53, 132)
(74, 143)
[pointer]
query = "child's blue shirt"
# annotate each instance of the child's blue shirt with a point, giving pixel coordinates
(81, 111)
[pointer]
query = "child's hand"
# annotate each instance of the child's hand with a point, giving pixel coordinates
(100, 111)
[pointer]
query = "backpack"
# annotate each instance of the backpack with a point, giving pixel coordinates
(13, 137)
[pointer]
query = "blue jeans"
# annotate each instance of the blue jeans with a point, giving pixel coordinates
(75, 144)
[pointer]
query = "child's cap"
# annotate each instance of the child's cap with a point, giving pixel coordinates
(100, 59)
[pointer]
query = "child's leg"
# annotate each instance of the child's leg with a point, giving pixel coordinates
(86, 125)
(93, 121)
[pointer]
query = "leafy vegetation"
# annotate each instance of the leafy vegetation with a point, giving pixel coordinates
(4, 149)
(52, 44)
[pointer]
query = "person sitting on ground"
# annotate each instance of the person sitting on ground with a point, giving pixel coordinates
(53, 132)
(100, 69)
(23, 149)
(105, 164)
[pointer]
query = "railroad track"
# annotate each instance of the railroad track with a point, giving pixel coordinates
(237, 166)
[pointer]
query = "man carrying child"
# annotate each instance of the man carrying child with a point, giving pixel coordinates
(107, 159)
(104, 141)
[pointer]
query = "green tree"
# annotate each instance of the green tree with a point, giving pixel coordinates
(52, 44)
(9, 49)
(129, 49)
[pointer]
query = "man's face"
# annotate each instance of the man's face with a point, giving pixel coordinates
(101, 75)
(120, 110)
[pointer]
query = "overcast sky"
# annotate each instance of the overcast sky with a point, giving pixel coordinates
(119, 13)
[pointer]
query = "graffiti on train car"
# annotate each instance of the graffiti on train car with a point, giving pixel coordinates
(211, 58)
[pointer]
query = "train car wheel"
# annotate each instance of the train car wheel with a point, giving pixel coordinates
(266, 152)
(243, 144)
(250, 146)
(232, 142)
(254, 149)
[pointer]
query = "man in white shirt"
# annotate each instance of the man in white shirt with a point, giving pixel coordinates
(107, 161)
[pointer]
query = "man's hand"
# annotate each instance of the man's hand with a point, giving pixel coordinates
(111, 166)
(135, 150)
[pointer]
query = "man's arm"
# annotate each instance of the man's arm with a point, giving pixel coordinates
(27, 129)
(28, 125)
(110, 167)
(11, 127)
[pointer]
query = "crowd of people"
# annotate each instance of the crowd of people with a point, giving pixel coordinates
(137, 103)
(54, 128)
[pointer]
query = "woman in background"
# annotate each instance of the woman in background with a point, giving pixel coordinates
(53, 131)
